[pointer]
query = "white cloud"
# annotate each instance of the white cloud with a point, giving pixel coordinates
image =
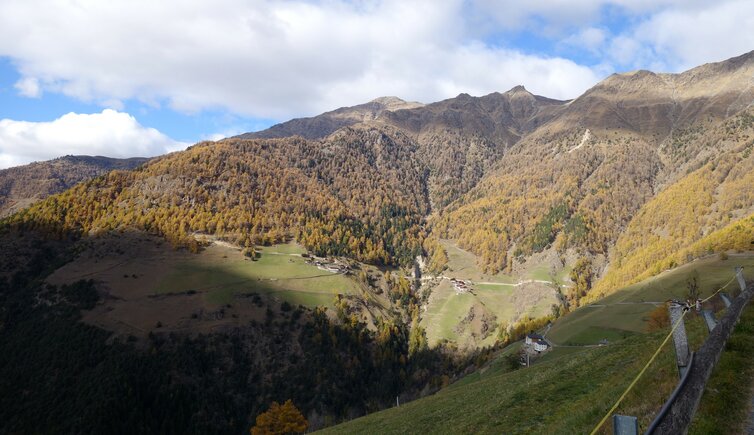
(29, 87)
(624, 50)
(670, 35)
(686, 37)
(267, 59)
(110, 133)
(278, 59)
(591, 39)
(667, 35)
(214, 137)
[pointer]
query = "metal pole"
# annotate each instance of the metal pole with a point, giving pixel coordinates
(666, 407)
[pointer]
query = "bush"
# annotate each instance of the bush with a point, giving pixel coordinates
(83, 294)
(659, 319)
(280, 419)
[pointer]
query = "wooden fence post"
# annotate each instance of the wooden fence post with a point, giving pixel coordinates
(726, 299)
(625, 425)
(709, 319)
(684, 405)
(679, 337)
(740, 278)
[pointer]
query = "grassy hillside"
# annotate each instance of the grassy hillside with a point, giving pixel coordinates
(570, 389)
(725, 406)
(624, 312)
(447, 316)
(495, 299)
(465, 265)
(147, 282)
(567, 394)
(222, 272)
(189, 366)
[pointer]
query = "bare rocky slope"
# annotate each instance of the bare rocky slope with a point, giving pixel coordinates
(322, 125)
(21, 186)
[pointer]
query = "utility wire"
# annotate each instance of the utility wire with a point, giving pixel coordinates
(719, 290)
(651, 360)
(644, 369)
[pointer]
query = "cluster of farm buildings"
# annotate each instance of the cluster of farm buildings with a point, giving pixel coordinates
(329, 265)
(460, 285)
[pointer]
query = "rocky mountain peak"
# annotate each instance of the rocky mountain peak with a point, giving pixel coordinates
(518, 89)
(395, 103)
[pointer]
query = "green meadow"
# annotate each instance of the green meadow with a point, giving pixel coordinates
(221, 272)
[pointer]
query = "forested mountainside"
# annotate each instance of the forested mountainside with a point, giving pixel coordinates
(579, 180)
(709, 209)
(513, 174)
(61, 374)
(21, 186)
(360, 194)
(457, 139)
(505, 175)
(641, 173)
(460, 139)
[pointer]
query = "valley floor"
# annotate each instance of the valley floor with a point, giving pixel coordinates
(472, 317)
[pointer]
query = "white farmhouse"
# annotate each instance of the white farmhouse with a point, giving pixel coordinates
(537, 342)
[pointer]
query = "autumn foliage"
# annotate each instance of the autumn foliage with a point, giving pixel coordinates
(280, 419)
(659, 319)
(343, 197)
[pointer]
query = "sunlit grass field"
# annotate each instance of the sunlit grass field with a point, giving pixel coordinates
(221, 272)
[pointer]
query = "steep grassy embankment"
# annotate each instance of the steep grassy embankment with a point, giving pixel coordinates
(726, 404)
(571, 388)
(624, 312)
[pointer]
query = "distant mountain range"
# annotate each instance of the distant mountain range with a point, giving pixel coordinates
(512, 174)
(507, 175)
(322, 125)
(537, 204)
(21, 186)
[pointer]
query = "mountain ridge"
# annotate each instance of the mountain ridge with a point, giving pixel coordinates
(21, 186)
(322, 125)
(536, 206)
(510, 174)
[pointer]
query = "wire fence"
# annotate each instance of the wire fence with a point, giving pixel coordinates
(693, 369)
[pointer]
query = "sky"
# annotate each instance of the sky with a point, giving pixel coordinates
(124, 78)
